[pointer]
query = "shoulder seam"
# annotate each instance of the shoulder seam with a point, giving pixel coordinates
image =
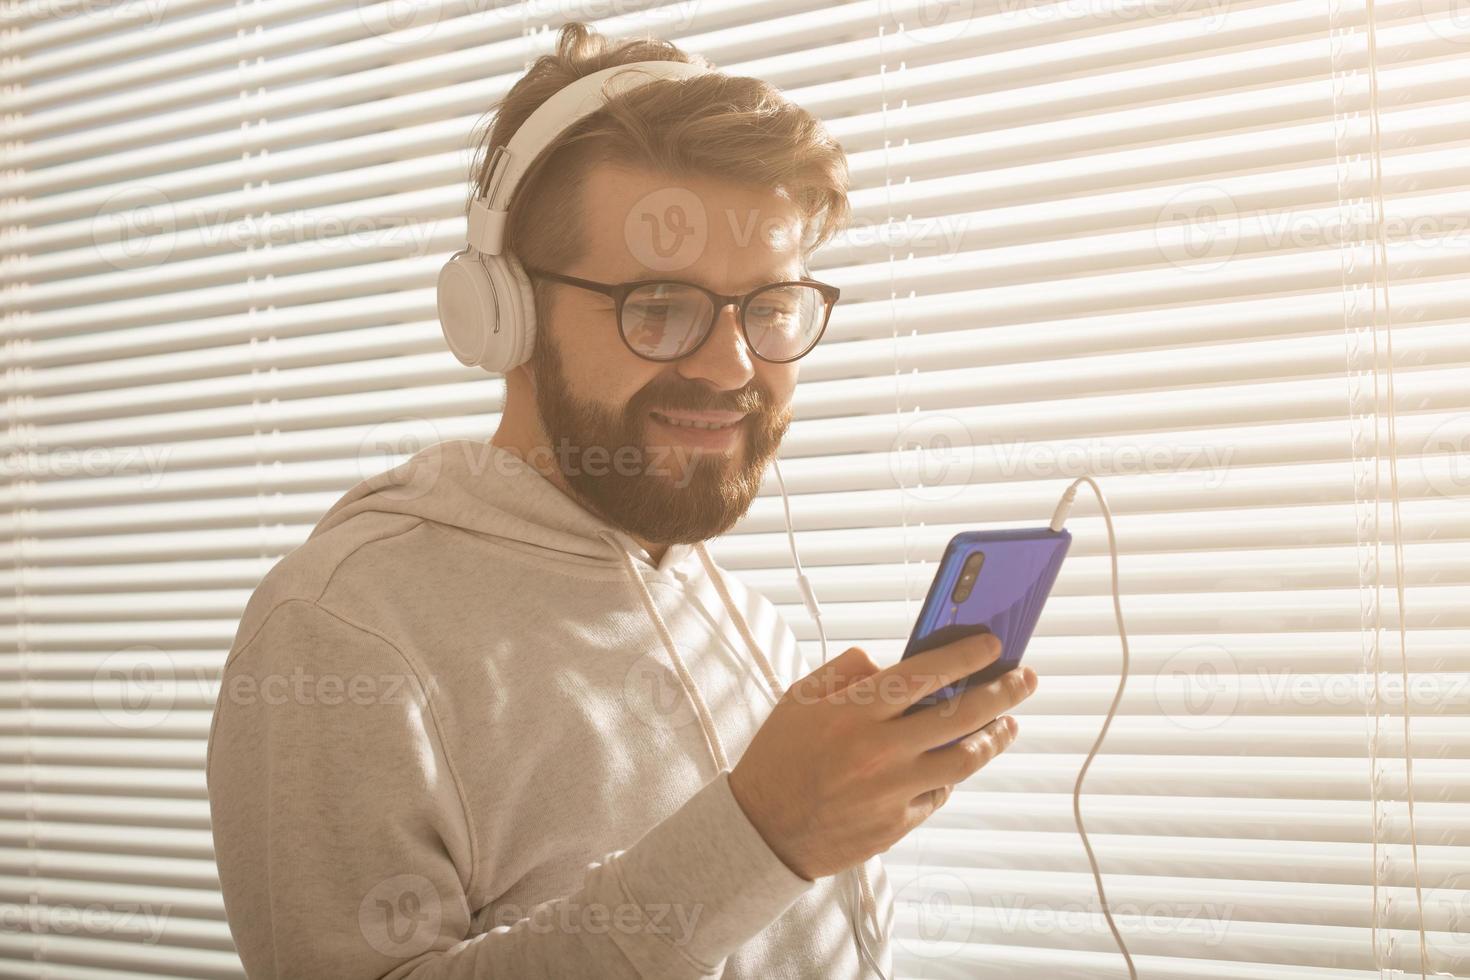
(431, 709)
(343, 560)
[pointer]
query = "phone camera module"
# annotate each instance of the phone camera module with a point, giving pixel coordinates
(968, 573)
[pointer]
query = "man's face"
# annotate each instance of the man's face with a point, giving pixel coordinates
(660, 482)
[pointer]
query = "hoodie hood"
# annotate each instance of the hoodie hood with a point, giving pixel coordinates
(491, 491)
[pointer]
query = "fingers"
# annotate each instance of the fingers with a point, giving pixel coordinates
(976, 707)
(849, 666)
(914, 678)
(932, 800)
(956, 763)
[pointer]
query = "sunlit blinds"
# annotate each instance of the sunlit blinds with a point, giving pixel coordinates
(1165, 244)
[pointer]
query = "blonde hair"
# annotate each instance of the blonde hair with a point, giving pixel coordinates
(714, 125)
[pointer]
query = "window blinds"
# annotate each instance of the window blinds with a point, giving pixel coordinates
(1166, 244)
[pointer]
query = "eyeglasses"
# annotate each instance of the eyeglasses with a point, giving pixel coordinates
(664, 319)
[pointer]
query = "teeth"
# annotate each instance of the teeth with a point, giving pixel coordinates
(691, 425)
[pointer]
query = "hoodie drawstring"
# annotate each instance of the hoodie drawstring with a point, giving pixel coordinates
(691, 689)
(865, 887)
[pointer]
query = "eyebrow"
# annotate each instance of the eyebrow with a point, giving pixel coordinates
(640, 272)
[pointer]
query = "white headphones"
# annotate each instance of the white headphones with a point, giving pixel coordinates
(486, 308)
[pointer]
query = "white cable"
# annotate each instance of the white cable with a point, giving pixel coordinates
(1059, 518)
(809, 596)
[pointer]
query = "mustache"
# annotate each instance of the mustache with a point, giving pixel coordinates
(751, 403)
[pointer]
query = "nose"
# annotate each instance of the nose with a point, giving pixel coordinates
(724, 359)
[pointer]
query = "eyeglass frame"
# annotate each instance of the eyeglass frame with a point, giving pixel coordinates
(619, 291)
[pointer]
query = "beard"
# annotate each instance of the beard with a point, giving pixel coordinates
(666, 494)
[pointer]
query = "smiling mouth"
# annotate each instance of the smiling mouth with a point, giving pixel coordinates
(697, 424)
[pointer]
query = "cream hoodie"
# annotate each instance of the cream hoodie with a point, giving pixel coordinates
(468, 730)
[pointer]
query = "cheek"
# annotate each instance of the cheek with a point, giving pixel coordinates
(780, 381)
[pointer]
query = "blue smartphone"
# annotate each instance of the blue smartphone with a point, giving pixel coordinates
(988, 582)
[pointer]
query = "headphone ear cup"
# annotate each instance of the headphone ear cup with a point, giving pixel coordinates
(467, 308)
(527, 317)
(507, 347)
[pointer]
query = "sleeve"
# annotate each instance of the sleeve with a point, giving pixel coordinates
(344, 849)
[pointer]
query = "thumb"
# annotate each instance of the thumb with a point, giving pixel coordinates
(852, 664)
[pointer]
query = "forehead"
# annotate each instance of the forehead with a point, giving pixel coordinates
(719, 233)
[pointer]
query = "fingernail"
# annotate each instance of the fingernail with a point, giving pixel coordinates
(1029, 676)
(1010, 724)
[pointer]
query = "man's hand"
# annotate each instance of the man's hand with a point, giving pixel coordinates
(838, 773)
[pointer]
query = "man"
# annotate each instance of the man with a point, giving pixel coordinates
(500, 716)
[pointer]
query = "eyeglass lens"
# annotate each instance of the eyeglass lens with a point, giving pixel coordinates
(664, 321)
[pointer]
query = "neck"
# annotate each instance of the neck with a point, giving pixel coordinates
(540, 461)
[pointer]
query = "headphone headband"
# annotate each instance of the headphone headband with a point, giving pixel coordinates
(508, 163)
